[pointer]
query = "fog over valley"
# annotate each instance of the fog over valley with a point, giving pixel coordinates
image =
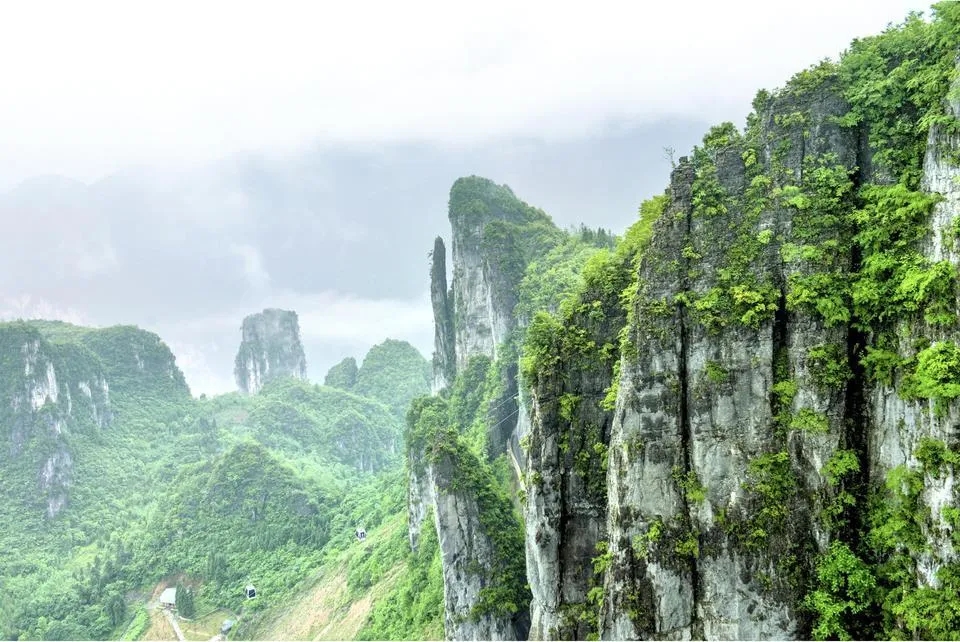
(339, 234)
(301, 158)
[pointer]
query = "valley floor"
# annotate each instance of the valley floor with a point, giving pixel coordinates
(327, 609)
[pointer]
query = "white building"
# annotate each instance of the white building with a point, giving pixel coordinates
(168, 599)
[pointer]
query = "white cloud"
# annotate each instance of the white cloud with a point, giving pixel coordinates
(202, 376)
(94, 84)
(253, 269)
(27, 306)
(94, 261)
(330, 316)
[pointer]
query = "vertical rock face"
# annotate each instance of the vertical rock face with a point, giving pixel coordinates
(902, 426)
(419, 498)
(444, 355)
(467, 555)
(751, 422)
(480, 326)
(483, 296)
(270, 347)
(480, 543)
(565, 512)
(781, 459)
(52, 393)
(474, 317)
(472, 320)
(647, 443)
(494, 235)
(566, 452)
(721, 428)
(521, 432)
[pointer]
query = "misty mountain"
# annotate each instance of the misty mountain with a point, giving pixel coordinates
(339, 233)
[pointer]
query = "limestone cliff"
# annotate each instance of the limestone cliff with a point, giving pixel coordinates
(55, 400)
(483, 317)
(566, 446)
(747, 430)
(480, 541)
(761, 442)
(270, 347)
(58, 393)
(495, 235)
(906, 425)
(444, 355)
(566, 503)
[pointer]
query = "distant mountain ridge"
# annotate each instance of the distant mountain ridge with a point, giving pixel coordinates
(186, 251)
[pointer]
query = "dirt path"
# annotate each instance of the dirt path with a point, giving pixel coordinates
(173, 623)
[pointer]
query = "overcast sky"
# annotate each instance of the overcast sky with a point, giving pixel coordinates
(257, 128)
(90, 86)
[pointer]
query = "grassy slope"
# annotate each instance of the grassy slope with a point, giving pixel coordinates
(328, 609)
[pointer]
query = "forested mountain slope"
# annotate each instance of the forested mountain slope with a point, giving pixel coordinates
(114, 481)
(736, 420)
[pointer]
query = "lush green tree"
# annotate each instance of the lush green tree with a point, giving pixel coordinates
(343, 375)
(184, 602)
(394, 372)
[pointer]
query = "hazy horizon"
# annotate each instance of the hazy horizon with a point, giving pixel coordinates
(180, 168)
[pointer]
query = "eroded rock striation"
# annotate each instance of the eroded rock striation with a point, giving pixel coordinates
(56, 395)
(748, 432)
(743, 423)
(53, 393)
(445, 354)
(484, 588)
(480, 540)
(270, 347)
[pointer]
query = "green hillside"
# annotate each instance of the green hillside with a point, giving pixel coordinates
(392, 372)
(153, 487)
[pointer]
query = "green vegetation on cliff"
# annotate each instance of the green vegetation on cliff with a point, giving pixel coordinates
(434, 438)
(815, 220)
(241, 517)
(822, 212)
(865, 237)
(814, 216)
(343, 375)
